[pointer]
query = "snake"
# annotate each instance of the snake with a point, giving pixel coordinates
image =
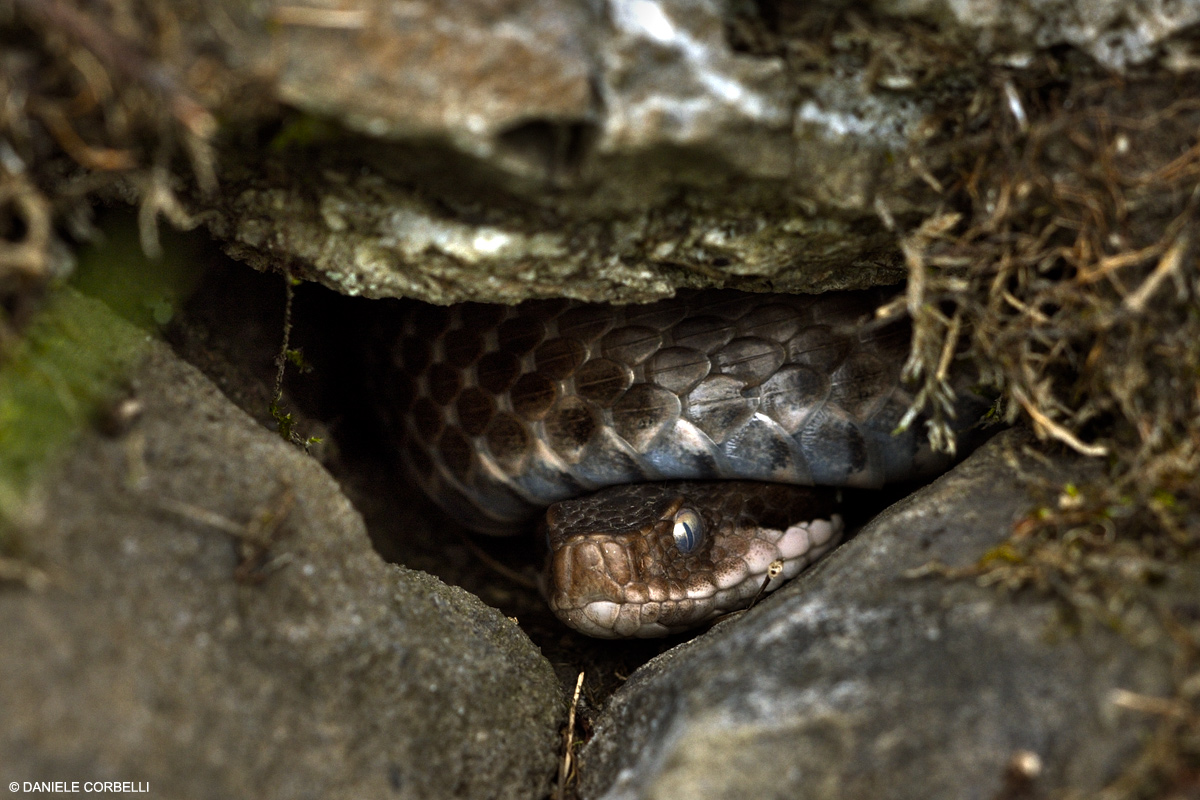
(670, 449)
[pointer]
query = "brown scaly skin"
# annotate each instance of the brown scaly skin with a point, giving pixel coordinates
(615, 568)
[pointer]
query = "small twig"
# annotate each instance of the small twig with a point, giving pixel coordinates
(29, 256)
(940, 569)
(157, 198)
(1015, 107)
(1168, 264)
(13, 570)
(949, 345)
(1118, 261)
(281, 359)
(1025, 309)
(256, 537)
(202, 515)
(104, 159)
(262, 532)
(283, 419)
(918, 167)
(564, 766)
(1147, 704)
(1048, 426)
(774, 570)
(329, 18)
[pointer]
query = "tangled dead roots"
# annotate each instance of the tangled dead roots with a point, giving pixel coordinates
(1065, 267)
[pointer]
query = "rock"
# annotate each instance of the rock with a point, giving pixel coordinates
(861, 679)
(477, 72)
(164, 646)
(622, 150)
(612, 152)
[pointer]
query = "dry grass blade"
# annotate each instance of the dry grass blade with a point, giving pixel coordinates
(566, 771)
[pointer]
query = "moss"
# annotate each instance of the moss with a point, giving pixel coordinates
(146, 291)
(1064, 267)
(73, 358)
(303, 131)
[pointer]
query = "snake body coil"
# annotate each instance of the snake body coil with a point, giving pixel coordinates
(506, 410)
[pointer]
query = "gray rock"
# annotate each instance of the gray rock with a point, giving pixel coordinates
(669, 78)
(620, 150)
(474, 72)
(609, 151)
(322, 672)
(513, 84)
(861, 680)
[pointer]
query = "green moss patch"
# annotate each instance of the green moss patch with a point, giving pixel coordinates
(72, 359)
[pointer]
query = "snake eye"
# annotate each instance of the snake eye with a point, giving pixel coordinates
(688, 530)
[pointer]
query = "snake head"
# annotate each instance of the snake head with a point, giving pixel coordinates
(654, 559)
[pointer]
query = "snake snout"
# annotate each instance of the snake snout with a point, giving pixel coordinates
(615, 573)
(594, 587)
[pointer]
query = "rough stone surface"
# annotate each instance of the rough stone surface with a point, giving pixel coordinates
(611, 151)
(474, 71)
(620, 150)
(326, 673)
(863, 680)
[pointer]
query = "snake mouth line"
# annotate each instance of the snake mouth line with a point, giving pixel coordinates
(601, 587)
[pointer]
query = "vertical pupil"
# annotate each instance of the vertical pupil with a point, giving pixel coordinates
(685, 536)
(688, 531)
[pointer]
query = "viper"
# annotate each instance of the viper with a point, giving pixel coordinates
(671, 449)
